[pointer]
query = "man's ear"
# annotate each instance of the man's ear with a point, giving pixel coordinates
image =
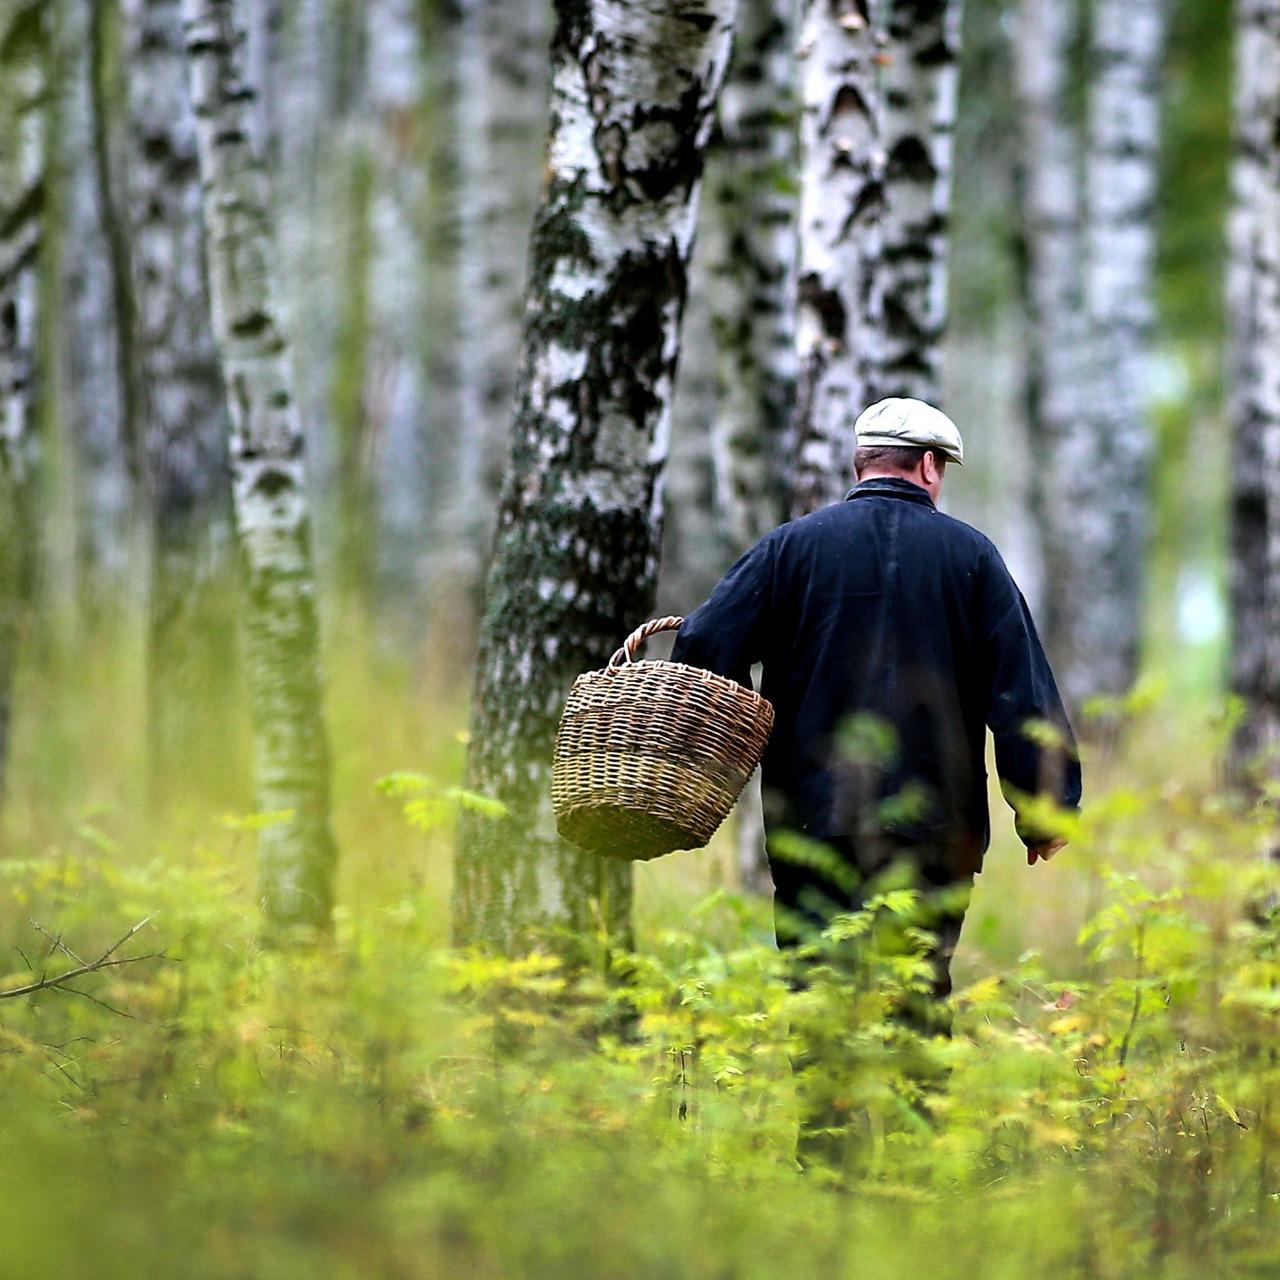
(932, 467)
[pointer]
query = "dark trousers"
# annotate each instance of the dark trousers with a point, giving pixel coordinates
(839, 876)
(808, 894)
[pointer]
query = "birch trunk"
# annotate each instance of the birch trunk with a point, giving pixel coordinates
(23, 87)
(352, 302)
(839, 311)
(182, 405)
(751, 193)
(500, 114)
(575, 556)
(694, 548)
(396, 391)
(920, 87)
(268, 483)
(1052, 242)
(1121, 177)
(265, 22)
(1253, 372)
(88, 335)
(311, 239)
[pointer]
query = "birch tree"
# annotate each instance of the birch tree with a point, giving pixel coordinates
(920, 88)
(1090, 248)
(89, 332)
(182, 405)
(396, 390)
(839, 309)
(268, 483)
(749, 238)
(1126, 51)
(1253, 310)
(752, 194)
(1053, 296)
(500, 112)
(575, 557)
(23, 86)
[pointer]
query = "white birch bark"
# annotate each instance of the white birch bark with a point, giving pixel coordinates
(752, 201)
(501, 108)
(920, 88)
(695, 553)
(1126, 52)
(266, 22)
(1057, 422)
(181, 405)
(305, 50)
(88, 337)
(838, 312)
(1253, 378)
(396, 388)
(575, 559)
(311, 233)
(23, 175)
(268, 481)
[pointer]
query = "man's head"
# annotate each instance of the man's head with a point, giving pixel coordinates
(925, 467)
(907, 439)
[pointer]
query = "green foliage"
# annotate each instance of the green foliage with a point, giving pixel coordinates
(382, 1105)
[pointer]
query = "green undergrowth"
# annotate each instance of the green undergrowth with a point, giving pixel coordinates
(384, 1106)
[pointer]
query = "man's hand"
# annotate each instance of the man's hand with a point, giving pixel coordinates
(1046, 851)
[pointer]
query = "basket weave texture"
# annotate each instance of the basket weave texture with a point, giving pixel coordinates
(651, 756)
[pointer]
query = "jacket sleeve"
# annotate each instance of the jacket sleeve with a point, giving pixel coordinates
(1036, 753)
(727, 634)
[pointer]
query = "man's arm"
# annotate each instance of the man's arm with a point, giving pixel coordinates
(1036, 753)
(726, 635)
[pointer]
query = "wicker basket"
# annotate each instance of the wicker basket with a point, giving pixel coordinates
(650, 756)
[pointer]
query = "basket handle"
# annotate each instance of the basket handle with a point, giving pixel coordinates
(627, 654)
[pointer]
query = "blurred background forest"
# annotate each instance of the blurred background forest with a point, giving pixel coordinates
(406, 144)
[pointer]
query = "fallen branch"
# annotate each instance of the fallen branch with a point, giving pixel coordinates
(107, 960)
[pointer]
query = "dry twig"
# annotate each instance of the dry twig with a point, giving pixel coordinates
(107, 960)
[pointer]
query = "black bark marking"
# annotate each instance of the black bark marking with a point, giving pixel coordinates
(826, 304)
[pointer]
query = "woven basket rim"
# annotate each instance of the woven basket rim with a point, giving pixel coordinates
(634, 668)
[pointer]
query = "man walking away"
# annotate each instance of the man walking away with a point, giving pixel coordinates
(891, 638)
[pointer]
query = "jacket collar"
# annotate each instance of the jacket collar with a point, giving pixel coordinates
(890, 487)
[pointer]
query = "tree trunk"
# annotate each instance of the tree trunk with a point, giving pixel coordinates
(108, 74)
(839, 310)
(575, 557)
(268, 483)
(23, 127)
(1121, 176)
(751, 194)
(351, 167)
(695, 550)
(395, 392)
(500, 112)
(1057, 424)
(920, 88)
(88, 335)
(1253, 310)
(310, 246)
(265, 21)
(182, 401)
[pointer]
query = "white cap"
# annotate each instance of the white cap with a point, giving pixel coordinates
(910, 424)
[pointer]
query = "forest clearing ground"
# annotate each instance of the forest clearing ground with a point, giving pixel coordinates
(385, 1107)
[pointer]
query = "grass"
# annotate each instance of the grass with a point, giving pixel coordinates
(383, 1106)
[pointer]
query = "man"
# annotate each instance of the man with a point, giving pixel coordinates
(891, 637)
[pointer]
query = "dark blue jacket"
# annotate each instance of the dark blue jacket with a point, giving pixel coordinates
(891, 636)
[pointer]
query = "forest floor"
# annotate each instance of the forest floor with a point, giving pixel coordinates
(382, 1106)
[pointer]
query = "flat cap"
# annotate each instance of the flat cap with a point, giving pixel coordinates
(910, 424)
